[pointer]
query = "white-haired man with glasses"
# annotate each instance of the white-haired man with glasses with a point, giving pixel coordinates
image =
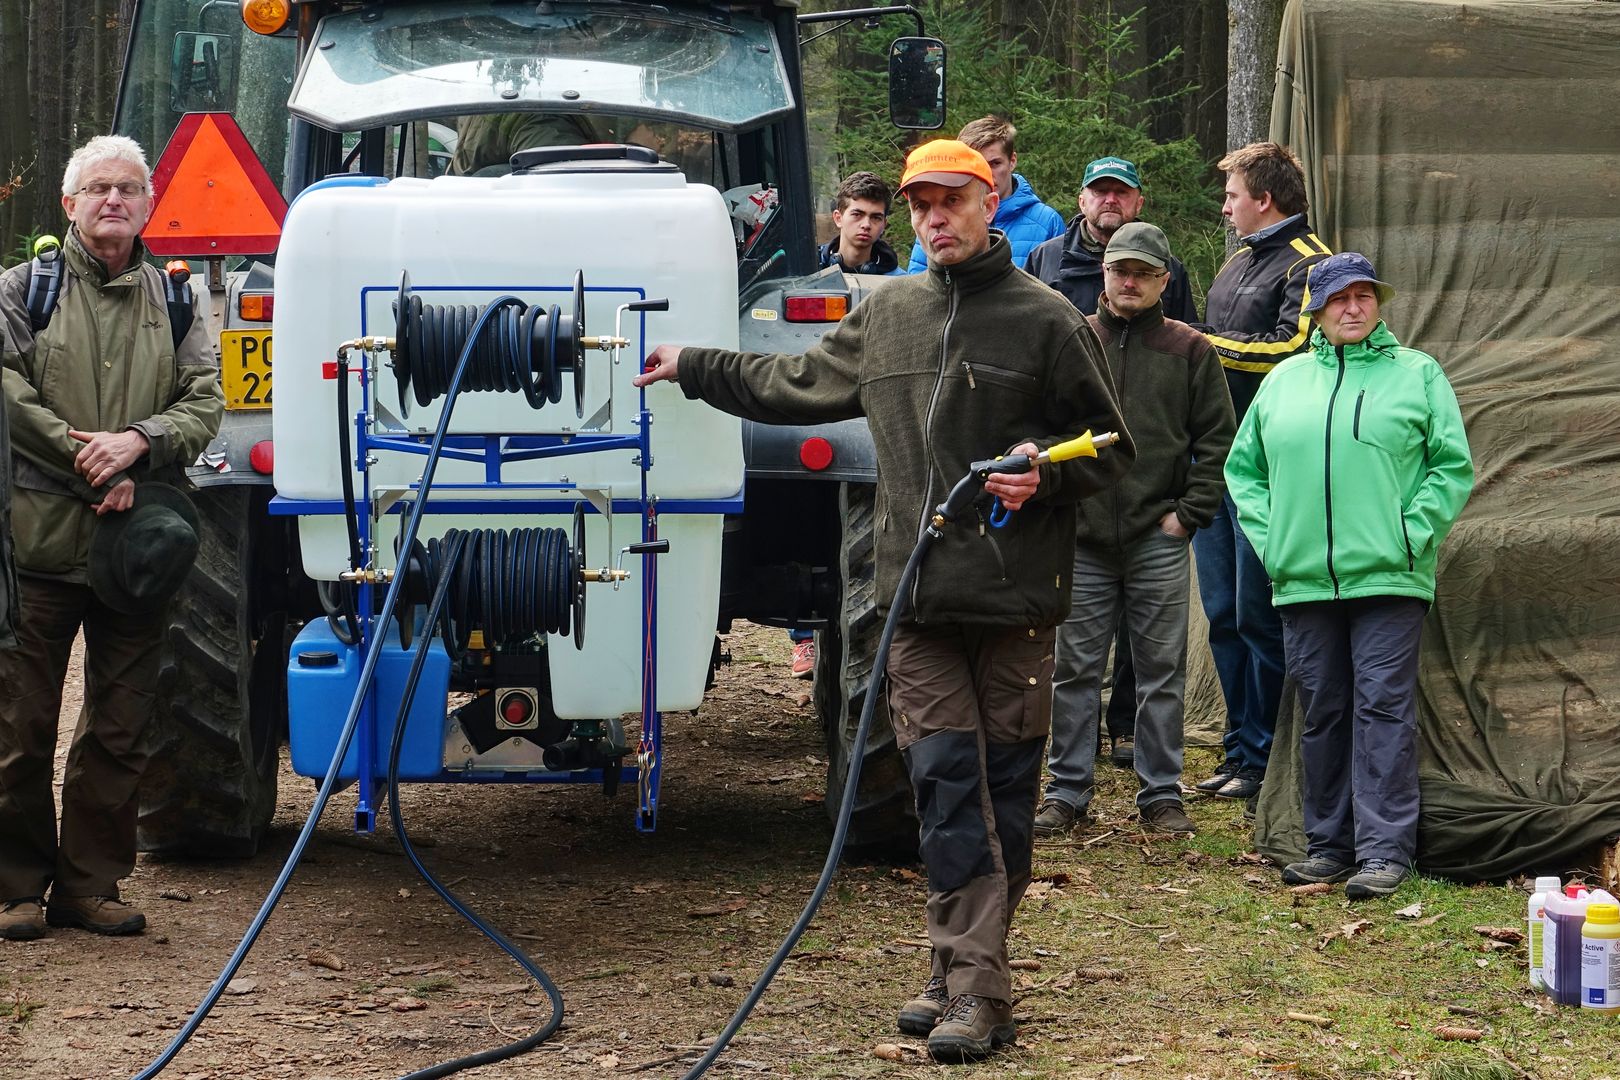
(99, 396)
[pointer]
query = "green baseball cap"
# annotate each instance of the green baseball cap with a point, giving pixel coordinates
(1141, 241)
(1116, 167)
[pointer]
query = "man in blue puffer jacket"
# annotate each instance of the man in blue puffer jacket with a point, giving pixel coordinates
(1026, 220)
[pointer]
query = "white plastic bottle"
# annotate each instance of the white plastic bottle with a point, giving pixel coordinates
(1536, 924)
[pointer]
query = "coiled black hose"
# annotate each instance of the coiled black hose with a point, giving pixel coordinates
(512, 584)
(518, 352)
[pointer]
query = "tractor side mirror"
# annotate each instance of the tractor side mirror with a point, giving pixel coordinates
(203, 68)
(917, 83)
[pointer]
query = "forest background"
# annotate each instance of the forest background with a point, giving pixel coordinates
(1169, 84)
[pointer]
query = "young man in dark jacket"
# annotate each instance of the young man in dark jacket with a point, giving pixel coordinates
(1132, 540)
(1110, 198)
(970, 359)
(1256, 318)
(860, 213)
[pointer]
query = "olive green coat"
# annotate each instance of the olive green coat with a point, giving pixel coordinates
(106, 362)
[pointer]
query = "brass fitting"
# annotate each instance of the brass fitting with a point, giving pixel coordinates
(604, 342)
(604, 574)
(368, 576)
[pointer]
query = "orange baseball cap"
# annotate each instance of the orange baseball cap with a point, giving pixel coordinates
(945, 161)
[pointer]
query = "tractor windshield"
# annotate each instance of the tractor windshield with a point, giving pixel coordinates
(388, 64)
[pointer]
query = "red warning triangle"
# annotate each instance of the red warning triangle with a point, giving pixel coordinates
(213, 195)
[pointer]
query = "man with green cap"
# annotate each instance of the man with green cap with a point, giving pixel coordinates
(99, 397)
(1131, 552)
(1111, 197)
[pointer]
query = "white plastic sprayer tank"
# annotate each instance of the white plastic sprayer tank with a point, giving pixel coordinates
(467, 240)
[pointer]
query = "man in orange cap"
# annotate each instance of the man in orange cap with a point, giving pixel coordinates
(971, 359)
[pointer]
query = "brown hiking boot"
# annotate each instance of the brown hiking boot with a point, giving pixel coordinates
(919, 1015)
(972, 1027)
(1056, 819)
(97, 914)
(1166, 816)
(22, 919)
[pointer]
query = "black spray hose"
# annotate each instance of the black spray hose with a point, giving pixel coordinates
(367, 672)
(459, 543)
(348, 631)
(846, 808)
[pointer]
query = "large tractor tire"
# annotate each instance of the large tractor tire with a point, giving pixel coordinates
(884, 822)
(210, 789)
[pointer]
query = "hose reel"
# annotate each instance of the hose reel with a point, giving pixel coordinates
(524, 349)
(510, 584)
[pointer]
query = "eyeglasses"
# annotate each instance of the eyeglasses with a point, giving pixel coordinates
(100, 189)
(1134, 275)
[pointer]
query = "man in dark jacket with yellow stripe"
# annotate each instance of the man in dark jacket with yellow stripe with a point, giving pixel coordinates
(970, 359)
(1255, 314)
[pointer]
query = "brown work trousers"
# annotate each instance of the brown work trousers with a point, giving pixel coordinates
(971, 708)
(109, 751)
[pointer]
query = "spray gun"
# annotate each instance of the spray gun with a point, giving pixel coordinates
(968, 489)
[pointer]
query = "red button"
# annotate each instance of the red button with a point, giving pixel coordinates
(263, 457)
(515, 709)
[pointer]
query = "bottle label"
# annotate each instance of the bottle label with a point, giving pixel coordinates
(1549, 954)
(1537, 929)
(1600, 973)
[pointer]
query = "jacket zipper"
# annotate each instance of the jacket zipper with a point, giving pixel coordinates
(1355, 428)
(1406, 538)
(928, 426)
(1124, 370)
(1327, 470)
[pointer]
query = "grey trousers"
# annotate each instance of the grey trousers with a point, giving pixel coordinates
(1145, 586)
(1356, 663)
(971, 706)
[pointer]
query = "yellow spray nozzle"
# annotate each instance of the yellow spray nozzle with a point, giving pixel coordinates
(1085, 445)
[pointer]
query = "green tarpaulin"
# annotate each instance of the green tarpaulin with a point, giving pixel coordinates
(1472, 150)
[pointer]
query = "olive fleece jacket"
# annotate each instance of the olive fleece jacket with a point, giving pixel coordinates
(951, 366)
(1175, 399)
(106, 362)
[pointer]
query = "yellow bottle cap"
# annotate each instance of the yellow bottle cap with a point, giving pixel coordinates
(1603, 913)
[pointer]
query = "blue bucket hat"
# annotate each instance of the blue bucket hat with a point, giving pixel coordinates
(1337, 272)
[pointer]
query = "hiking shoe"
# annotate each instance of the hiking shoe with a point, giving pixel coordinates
(972, 1027)
(1217, 780)
(1244, 784)
(1122, 752)
(22, 919)
(97, 914)
(1166, 816)
(1057, 819)
(1377, 877)
(804, 658)
(919, 1015)
(1317, 869)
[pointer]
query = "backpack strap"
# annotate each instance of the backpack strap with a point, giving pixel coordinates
(44, 282)
(177, 294)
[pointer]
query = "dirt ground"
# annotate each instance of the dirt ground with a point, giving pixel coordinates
(653, 939)
(1136, 956)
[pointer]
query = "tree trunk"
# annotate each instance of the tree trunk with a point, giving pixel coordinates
(20, 173)
(1251, 61)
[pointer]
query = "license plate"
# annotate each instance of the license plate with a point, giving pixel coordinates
(244, 359)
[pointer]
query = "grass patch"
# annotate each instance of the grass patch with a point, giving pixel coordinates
(432, 984)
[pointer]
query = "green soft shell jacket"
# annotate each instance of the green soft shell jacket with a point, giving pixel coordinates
(106, 362)
(951, 366)
(1349, 470)
(1175, 400)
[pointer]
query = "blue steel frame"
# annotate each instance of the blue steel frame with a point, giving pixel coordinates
(494, 451)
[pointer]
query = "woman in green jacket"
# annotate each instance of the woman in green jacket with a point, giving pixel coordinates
(1347, 473)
